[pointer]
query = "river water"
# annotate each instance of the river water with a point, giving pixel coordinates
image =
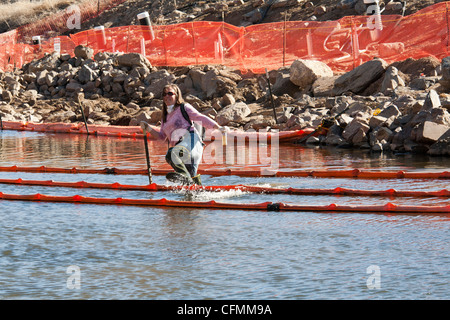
(89, 251)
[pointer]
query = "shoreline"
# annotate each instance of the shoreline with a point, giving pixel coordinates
(401, 107)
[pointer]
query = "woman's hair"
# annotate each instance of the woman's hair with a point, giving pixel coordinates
(178, 102)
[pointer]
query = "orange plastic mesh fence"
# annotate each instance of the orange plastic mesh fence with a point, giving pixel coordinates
(343, 44)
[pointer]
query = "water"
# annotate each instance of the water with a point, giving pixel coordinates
(131, 252)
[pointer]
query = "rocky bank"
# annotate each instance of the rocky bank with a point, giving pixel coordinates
(402, 107)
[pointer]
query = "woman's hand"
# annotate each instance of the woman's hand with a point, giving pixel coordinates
(147, 128)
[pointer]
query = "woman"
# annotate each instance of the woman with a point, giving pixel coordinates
(184, 139)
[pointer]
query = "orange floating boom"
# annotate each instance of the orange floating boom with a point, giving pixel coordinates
(266, 206)
(355, 173)
(135, 132)
(252, 189)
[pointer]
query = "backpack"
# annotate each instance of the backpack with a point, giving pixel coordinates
(200, 129)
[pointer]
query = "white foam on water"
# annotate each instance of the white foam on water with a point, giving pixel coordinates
(205, 195)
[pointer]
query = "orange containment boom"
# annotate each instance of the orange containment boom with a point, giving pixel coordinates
(135, 132)
(354, 173)
(244, 188)
(266, 206)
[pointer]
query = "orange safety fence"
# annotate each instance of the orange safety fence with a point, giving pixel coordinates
(444, 193)
(342, 44)
(350, 174)
(265, 206)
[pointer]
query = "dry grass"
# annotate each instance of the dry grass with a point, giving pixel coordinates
(24, 12)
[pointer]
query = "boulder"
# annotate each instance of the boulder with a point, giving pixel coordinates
(86, 74)
(83, 52)
(133, 60)
(40, 77)
(376, 121)
(283, 84)
(391, 80)
(430, 132)
(156, 82)
(390, 111)
(432, 101)
(215, 85)
(442, 146)
(360, 78)
(355, 129)
(323, 86)
(303, 73)
(233, 113)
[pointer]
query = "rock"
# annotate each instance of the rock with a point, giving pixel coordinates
(132, 106)
(48, 62)
(283, 84)
(360, 78)
(194, 79)
(358, 108)
(50, 78)
(73, 86)
(430, 132)
(7, 95)
(377, 147)
(431, 101)
(227, 99)
(259, 122)
(390, 111)
(376, 121)
(83, 52)
(445, 69)
(355, 130)
(30, 96)
(346, 4)
(320, 10)
(334, 136)
(116, 88)
(359, 137)
(101, 56)
(98, 116)
(394, 6)
(383, 134)
(86, 74)
(215, 85)
(391, 80)
(40, 77)
(303, 73)
(133, 60)
(253, 16)
(442, 146)
(157, 81)
(439, 116)
(360, 7)
(415, 68)
(233, 113)
(323, 86)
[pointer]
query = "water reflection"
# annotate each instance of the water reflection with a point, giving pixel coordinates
(70, 150)
(174, 253)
